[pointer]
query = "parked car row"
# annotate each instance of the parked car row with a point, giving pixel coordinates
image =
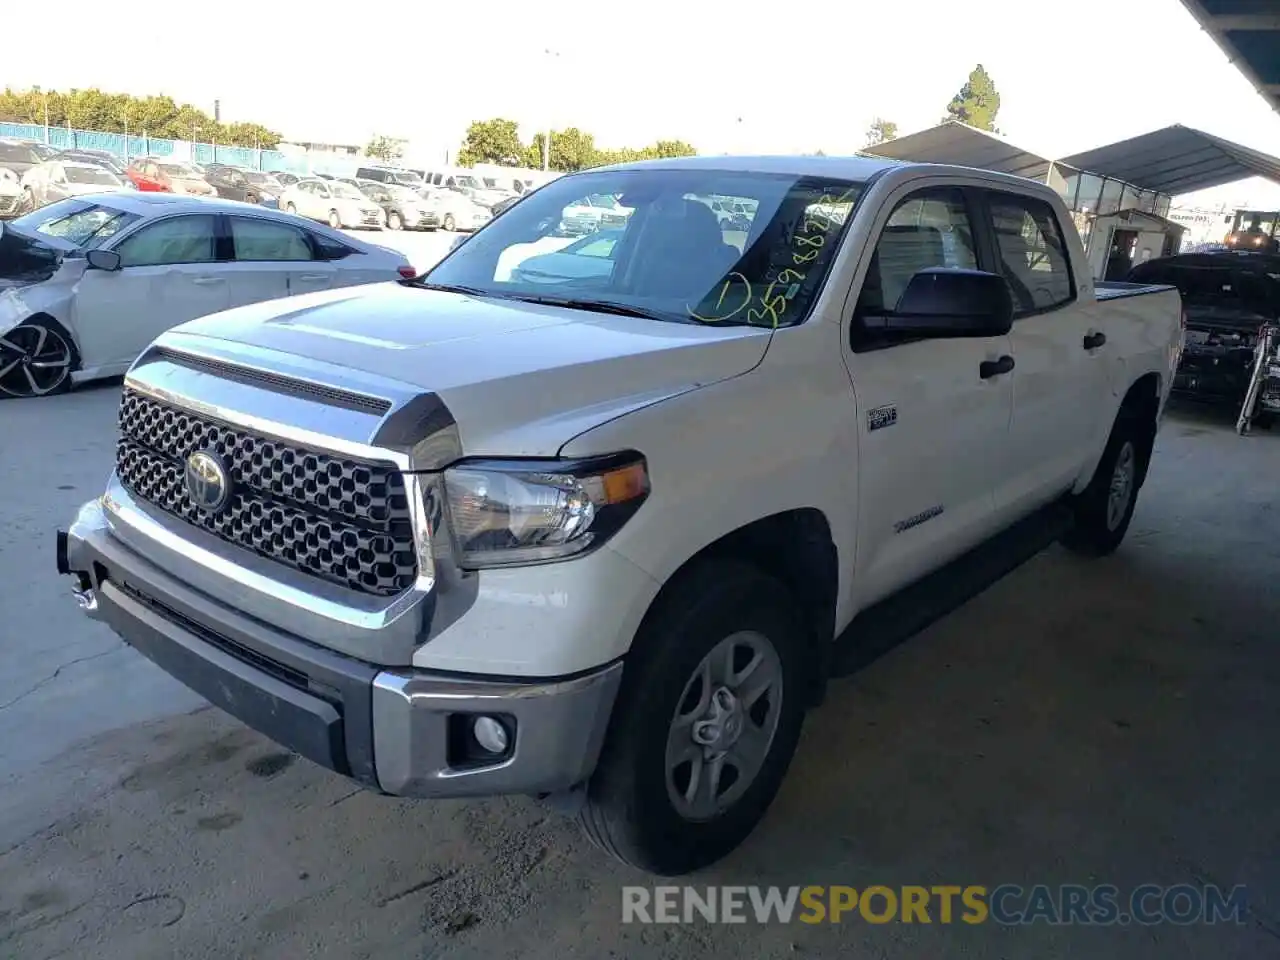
(359, 202)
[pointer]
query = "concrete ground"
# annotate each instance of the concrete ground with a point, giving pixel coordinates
(1106, 722)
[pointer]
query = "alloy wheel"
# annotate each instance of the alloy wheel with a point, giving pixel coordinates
(34, 360)
(724, 725)
(1121, 488)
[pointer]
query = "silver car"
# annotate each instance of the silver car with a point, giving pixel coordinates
(56, 180)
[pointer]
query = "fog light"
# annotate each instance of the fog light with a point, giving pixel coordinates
(490, 734)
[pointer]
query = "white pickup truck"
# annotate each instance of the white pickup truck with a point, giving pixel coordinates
(602, 541)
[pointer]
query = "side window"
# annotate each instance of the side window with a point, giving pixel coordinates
(176, 240)
(329, 249)
(1031, 251)
(928, 229)
(255, 239)
(152, 171)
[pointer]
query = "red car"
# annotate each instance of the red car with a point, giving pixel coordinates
(168, 176)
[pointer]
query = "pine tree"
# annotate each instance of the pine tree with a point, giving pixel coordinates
(977, 103)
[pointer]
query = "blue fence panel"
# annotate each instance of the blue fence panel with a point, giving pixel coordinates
(139, 145)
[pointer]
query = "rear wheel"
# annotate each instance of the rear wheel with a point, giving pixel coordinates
(335, 220)
(36, 359)
(1105, 508)
(705, 725)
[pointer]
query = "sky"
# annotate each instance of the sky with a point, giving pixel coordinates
(726, 77)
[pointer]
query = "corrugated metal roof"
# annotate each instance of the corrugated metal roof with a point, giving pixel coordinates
(1176, 160)
(1248, 32)
(966, 146)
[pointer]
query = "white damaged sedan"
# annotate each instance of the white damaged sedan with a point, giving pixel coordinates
(87, 282)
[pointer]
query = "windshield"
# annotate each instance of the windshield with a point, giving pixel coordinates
(1255, 222)
(262, 179)
(376, 192)
(673, 258)
(403, 194)
(87, 225)
(180, 170)
(91, 175)
(341, 189)
(470, 183)
(18, 153)
(404, 176)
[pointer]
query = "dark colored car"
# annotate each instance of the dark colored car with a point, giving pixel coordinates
(1227, 298)
(236, 184)
(286, 178)
(99, 158)
(403, 208)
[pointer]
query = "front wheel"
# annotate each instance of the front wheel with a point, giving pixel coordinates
(335, 220)
(290, 208)
(36, 359)
(449, 223)
(393, 221)
(706, 722)
(1105, 508)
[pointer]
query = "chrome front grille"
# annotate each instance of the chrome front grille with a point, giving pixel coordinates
(335, 517)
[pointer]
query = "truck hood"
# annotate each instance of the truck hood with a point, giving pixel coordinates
(520, 379)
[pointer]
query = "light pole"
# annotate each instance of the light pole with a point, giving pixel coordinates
(546, 140)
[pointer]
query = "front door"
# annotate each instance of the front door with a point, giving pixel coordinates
(169, 273)
(1060, 384)
(932, 429)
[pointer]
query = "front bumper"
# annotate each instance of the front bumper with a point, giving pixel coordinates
(403, 731)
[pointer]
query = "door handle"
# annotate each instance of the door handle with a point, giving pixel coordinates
(993, 368)
(1092, 341)
(313, 277)
(207, 281)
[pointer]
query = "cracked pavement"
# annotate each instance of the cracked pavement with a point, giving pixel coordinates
(1077, 723)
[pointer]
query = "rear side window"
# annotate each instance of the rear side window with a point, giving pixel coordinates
(1031, 253)
(329, 249)
(255, 239)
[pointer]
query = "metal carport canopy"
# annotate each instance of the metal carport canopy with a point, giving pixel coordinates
(1248, 32)
(958, 143)
(1176, 160)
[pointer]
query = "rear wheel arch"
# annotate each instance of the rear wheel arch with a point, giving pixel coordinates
(1142, 404)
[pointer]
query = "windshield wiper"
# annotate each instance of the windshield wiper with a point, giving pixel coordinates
(449, 287)
(597, 306)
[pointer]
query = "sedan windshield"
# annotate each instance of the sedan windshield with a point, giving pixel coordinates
(18, 153)
(86, 225)
(403, 194)
(673, 258)
(341, 189)
(180, 170)
(95, 175)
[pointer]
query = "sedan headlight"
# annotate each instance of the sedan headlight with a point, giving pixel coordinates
(511, 512)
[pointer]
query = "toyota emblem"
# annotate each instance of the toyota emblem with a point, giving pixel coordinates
(208, 485)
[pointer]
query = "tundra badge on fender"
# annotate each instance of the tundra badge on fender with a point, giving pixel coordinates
(885, 416)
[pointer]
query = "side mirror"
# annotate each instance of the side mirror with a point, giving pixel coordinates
(942, 302)
(107, 260)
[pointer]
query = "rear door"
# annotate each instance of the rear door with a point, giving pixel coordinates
(170, 272)
(265, 256)
(1060, 384)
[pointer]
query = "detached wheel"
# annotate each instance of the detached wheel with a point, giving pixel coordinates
(36, 360)
(393, 221)
(449, 223)
(705, 725)
(1105, 508)
(335, 220)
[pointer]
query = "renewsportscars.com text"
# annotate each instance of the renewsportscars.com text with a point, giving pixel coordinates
(1007, 904)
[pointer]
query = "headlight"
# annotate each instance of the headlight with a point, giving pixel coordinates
(7, 174)
(510, 512)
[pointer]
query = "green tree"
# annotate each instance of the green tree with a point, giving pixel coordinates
(880, 131)
(157, 115)
(977, 103)
(492, 141)
(384, 148)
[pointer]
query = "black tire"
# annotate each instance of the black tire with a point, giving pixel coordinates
(335, 220)
(629, 812)
(290, 208)
(449, 223)
(1100, 525)
(393, 221)
(55, 345)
